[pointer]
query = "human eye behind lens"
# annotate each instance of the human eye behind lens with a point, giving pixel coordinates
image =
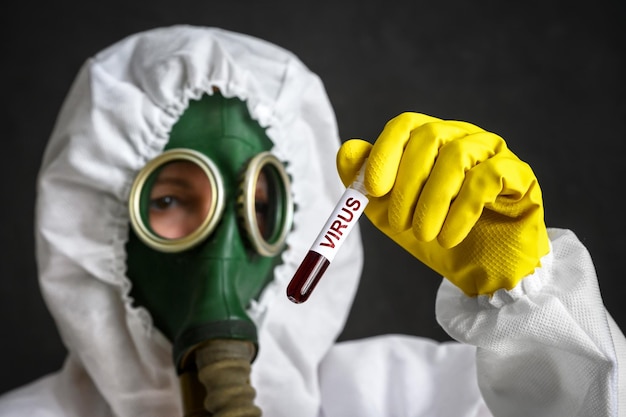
(179, 199)
(163, 203)
(261, 208)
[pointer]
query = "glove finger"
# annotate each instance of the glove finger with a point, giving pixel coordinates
(386, 154)
(518, 177)
(504, 175)
(448, 175)
(466, 126)
(418, 160)
(350, 157)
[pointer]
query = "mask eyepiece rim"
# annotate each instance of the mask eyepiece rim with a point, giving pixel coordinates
(144, 232)
(248, 210)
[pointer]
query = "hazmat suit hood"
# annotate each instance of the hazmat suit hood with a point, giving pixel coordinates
(116, 117)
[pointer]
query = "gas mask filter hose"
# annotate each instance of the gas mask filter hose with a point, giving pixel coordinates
(224, 370)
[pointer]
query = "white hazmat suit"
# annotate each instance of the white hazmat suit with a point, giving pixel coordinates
(546, 348)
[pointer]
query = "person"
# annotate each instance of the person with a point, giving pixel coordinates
(181, 188)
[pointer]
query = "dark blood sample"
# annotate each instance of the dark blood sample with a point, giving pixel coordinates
(333, 234)
(306, 277)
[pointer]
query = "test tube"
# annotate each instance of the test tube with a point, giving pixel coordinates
(337, 228)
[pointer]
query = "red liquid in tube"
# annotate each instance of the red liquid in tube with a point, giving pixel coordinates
(306, 277)
(344, 217)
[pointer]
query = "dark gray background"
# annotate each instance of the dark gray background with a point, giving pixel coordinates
(546, 75)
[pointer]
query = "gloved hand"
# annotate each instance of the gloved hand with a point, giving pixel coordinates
(454, 196)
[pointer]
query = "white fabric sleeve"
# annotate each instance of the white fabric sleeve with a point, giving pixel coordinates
(395, 375)
(548, 347)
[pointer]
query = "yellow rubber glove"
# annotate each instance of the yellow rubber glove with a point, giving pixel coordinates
(454, 196)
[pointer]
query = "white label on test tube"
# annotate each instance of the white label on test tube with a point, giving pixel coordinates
(346, 214)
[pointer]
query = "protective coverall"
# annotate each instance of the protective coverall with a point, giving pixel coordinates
(547, 347)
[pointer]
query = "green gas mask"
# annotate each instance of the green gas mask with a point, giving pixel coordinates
(209, 217)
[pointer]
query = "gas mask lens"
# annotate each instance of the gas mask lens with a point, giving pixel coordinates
(266, 206)
(177, 200)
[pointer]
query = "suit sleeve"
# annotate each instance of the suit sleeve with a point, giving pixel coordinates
(548, 347)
